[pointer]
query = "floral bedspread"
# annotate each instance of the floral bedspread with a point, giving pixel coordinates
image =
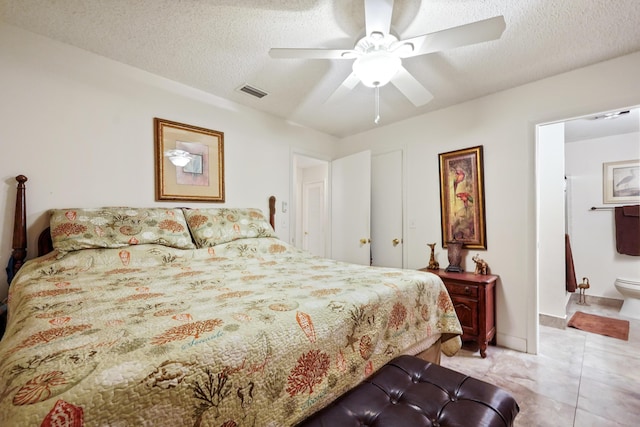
(249, 333)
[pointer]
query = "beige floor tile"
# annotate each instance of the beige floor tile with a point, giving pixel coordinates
(587, 419)
(578, 379)
(610, 403)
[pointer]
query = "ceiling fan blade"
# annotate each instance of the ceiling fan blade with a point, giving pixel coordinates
(468, 34)
(347, 85)
(312, 53)
(377, 15)
(411, 88)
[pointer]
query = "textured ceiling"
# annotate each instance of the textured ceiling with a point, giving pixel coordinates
(219, 45)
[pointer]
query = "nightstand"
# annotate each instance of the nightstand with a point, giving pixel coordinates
(473, 296)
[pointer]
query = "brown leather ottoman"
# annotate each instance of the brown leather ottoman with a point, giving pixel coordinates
(410, 392)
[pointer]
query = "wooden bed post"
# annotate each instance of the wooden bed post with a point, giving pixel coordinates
(19, 227)
(272, 212)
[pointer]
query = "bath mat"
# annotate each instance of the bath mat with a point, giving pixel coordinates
(607, 326)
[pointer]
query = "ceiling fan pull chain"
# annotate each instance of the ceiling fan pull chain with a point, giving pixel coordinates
(377, 96)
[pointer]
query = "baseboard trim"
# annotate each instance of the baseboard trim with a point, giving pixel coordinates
(552, 321)
(604, 301)
(508, 341)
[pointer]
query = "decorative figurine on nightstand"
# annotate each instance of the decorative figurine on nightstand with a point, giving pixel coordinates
(481, 265)
(433, 264)
(582, 300)
(454, 253)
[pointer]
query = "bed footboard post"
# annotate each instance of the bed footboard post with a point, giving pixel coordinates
(19, 228)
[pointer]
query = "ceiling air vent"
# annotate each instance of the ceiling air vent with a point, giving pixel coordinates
(253, 91)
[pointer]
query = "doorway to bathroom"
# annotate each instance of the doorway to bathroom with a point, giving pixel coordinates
(570, 157)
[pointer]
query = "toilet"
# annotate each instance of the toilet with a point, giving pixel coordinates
(630, 289)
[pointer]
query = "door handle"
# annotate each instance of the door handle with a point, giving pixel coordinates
(364, 241)
(395, 242)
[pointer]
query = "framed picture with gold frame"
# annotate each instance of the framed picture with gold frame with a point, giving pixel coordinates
(189, 162)
(462, 198)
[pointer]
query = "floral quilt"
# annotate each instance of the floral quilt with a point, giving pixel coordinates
(253, 332)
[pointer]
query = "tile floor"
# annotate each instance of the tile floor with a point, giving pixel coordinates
(578, 379)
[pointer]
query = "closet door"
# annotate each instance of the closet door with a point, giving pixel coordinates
(386, 210)
(351, 208)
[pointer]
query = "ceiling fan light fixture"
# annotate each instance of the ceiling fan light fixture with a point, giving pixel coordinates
(377, 68)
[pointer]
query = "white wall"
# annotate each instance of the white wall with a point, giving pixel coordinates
(592, 233)
(504, 123)
(80, 127)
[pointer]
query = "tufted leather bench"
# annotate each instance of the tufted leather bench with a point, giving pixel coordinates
(410, 392)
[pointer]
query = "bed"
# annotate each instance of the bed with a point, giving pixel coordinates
(203, 317)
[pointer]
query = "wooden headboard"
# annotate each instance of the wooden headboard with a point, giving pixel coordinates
(19, 253)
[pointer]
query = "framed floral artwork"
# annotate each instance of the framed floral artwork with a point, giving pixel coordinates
(462, 198)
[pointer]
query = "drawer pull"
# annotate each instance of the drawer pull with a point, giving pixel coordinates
(467, 290)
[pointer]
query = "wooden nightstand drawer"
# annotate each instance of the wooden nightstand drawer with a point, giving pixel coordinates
(455, 288)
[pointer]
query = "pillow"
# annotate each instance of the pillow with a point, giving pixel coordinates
(75, 229)
(210, 227)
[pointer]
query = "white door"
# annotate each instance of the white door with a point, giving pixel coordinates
(552, 297)
(351, 208)
(308, 170)
(386, 209)
(313, 217)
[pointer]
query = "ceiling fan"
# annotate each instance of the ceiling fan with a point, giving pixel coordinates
(378, 55)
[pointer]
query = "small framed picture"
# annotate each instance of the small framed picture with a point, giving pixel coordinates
(201, 177)
(621, 182)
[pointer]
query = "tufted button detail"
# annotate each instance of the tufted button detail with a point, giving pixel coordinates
(380, 397)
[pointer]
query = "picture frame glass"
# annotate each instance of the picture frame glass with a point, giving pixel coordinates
(202, 178)
(462, 197)
(621, 182)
